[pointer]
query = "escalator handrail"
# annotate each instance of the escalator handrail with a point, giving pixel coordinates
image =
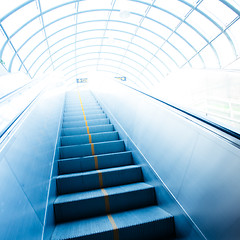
(200, 118)
(19, 115)
(10, 94)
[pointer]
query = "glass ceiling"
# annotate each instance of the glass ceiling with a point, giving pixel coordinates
(144, 40)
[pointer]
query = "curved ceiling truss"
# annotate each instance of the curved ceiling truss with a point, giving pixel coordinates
(142, 40)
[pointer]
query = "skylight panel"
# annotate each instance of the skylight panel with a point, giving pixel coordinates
(39, 64)
(145, 44)
(122, 27)
(174, 54)
(60, 35)
(88, 55)
(235, 3)
(59, 13)
(235, 32)
(192, 2)
(140, 59)
(26, 33)
(128, 68)
(20, 17)
(47, 4)
(157, 72)
(196, 62)
(118, 43)
(42, 68)
(182, 46)
(89, 42)
(93, 33)
(132, 62)
(156, 28)
(68, 41)
(91, 16)
(140, 51)
(159, 62)
(203, 25)
(150, 36)
(47, 68)
(169, 62)
(218, 12)
(191, 36)
(88, 49)
(68, 66)
(36, 53)
(209, 58)
(69, 56)
(226, 54)
(91, 25)
(174, 6)
(7, 55)
(3, 39)
(97, 4)
(106, 61)
(164, 17)
(31, 44)
(133, 18)
(111, 55)
(61, 24)
(62, 51)
(114, 49)
(149, 76)
(6, 7)
(131, 6)
(118, 35)
(16, 64)
(235, 65)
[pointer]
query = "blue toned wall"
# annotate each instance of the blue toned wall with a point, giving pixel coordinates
(198, 167)
(26, 164)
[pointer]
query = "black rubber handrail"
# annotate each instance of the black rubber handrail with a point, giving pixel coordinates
(19, 115)
(202, 119)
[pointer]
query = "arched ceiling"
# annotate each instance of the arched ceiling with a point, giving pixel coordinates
(144, 40)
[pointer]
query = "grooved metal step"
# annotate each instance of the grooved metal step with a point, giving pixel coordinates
(82, 164)
(86, 149)
(83, 130)
(88, 117)
(92, 203)
(142, 224)
(82, 123)
(84, 138)
(85, 181)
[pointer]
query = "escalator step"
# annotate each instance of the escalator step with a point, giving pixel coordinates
(86, 149)
(83, 130)
(92, 203)
(142, 224)
(74, 165)
(95, 122)
(84, 138)
(85, 181)
(88, 117)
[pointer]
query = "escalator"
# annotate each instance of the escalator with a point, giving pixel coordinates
(101, 192)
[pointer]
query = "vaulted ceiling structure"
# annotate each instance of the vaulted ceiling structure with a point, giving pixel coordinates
(143, 40)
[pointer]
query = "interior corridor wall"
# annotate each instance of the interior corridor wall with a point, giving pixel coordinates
(199, 167)
(25, 170)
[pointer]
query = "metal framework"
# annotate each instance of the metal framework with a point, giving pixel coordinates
(166, 54)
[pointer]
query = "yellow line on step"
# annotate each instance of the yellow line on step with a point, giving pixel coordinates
(105, 194)
(106, 198)
(85, 119)
(115, 228)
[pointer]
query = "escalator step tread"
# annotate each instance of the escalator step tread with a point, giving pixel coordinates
(144, 223)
